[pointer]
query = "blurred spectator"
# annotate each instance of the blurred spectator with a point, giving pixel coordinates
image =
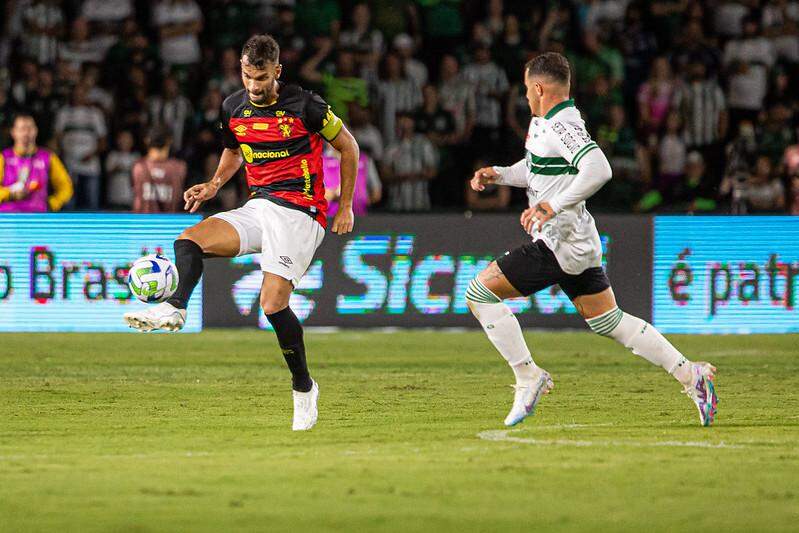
(509, 49)
(693, 47)
(361, 37)
(600, 96)
(457, 96)
(341, 86)
(671, 154)
(82, 47)
(776, 135)
(434, 121)
(23, 90)
(365, 132)
(655, 96)
(617, 140)
(44, 104)
(368, 189)
(292, 42)
(158, 180)
(700, 103)
(119, 170)
(638, 44)
(172, 110)
(106, 15)
(694, 192)
(206, 125)
(396, 93)
(410, 162)
(491, 84)
(747, 60)
(495, 18)
(32, 179)
(43, 22)
(228, 79)
(96, 95)
(760, 191)
(179, 23)
(81, 133)
(492, 198)
(728, 17)
(413, 68)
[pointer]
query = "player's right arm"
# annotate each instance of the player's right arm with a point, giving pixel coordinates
(514, 176)
(229, 164)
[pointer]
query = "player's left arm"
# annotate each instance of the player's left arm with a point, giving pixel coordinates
(323, 121)
(346, 144)
(593, 171)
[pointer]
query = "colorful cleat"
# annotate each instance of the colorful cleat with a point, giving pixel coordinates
(527, 396)
(703, 391)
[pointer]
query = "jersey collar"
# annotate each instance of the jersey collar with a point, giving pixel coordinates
(563, 105)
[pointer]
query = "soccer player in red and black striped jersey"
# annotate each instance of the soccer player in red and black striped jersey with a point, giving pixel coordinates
(277, 131)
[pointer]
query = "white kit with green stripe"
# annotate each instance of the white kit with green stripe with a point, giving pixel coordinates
(555, 146)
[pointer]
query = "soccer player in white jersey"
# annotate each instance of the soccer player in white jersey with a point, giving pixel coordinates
(563, 167)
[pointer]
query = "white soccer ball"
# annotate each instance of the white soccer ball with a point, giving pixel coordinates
(153, 278)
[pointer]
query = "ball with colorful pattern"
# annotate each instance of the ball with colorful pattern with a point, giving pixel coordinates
(153, 278)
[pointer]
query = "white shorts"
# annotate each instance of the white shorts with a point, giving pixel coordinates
(286, 238)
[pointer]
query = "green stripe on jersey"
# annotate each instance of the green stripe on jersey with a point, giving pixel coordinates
(553, 171)
(581, 153)
(539, 160)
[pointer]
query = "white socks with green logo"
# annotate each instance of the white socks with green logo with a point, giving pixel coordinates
(502, 329)
(644, 340)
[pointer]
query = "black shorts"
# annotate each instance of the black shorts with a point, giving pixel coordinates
(533, 267)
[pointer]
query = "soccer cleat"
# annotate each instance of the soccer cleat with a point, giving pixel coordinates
(161, 316)
(703, 392)
(527, 396)
(305, 412)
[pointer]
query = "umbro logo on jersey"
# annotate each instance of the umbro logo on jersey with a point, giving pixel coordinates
(240, 130)
(285, 261)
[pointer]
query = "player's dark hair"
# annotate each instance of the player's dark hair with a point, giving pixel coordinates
(552, 65)
(260, 50)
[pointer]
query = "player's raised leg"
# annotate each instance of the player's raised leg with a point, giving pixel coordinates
(605, 318)
(275, 294)
(484, 297)
(213, 237)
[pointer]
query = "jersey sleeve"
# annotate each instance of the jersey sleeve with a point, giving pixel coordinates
(319, 118)
(5, 194)
(571, 141)
(228, 138)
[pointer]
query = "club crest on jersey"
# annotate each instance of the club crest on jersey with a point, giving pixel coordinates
(286, 125)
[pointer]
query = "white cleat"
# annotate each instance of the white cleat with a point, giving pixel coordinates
(527, 396)
(305, 412)
(161, 316)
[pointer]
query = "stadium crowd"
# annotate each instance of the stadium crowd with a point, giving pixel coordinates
(693, 101)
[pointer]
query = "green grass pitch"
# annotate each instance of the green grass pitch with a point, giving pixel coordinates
(192, 433)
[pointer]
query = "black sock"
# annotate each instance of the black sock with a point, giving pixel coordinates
(189, 260)
(289, 335)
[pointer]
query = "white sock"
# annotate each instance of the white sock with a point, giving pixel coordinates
(502, 329)
(643, 339)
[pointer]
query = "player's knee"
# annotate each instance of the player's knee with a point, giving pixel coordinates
(271, 305)
(607, 324)
(478, 293)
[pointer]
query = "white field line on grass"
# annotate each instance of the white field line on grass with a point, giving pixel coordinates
(506, 435)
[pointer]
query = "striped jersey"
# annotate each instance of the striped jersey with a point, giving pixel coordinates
(281, 144)
(554, 146)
